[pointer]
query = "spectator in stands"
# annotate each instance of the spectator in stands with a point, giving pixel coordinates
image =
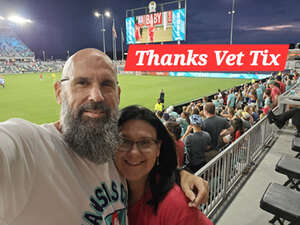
(252, 97)
(260, 95)
(217, 127)
(173, 115)
(238, 129)
(205, 100)
(268, 101)
(70, 157)
(165, 117)
(183, 120)
(239, 100)
(246, 122)
(244, 94)
(275, 92)
(221, 100)
(217, 103)
(224, 96)
(281, 84)
(175, 131)
(191, 107)
(196, 143)
(247, 112)
(158, 106)
(147, 159)
(255, 113)
(228, 113)
(195, 111)
(231, 98)
(289, 82)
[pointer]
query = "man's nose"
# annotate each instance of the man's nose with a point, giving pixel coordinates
(95, 94)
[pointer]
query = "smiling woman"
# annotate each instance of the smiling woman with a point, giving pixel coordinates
(147, 159)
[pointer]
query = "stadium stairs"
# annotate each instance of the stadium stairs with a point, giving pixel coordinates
(245, 209)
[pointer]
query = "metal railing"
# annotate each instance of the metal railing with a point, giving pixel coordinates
(226, 169)
(230, 165)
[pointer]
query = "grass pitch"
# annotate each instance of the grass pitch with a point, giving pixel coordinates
(26, 96)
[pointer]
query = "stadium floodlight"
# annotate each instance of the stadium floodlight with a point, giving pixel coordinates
(102, 14)
(97, 14)
(19, 20)
(107, 14)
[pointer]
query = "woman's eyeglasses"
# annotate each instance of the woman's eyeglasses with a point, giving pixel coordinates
(143, 145)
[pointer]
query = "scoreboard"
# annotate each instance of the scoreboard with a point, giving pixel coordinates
(156, 27)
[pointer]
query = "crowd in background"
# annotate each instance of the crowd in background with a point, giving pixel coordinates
(30, 67)
(16, 57)
(206, 126)
(10, 46)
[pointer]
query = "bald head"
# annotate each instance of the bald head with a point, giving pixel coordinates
(88, 76)
(91, 56)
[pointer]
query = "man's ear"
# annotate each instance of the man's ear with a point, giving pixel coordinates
(119, 94)
(58, 92)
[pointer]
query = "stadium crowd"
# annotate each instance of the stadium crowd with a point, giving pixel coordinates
(203, 128)
(10, 46)
(30, 67)
(16, 57)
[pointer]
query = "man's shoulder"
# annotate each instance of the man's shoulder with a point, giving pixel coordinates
(23, 128)
(17, 123)
(205, 134)
(214, 119)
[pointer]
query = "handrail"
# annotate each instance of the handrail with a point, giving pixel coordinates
(229, 166)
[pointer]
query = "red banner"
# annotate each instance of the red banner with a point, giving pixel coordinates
(206, 57)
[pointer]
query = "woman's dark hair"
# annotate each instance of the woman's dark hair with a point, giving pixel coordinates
(195, 111)
(187, 117)
(237, 124)
(162, 177)
(268, 93)
(174, 128)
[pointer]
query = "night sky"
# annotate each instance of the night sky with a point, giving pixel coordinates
(61, 25)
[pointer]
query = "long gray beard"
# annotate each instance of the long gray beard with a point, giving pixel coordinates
(93, 139)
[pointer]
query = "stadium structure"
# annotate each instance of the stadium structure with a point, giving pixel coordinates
(17, 57)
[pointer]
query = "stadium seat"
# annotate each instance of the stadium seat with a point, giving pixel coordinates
(291, 168)
(282, 202)
(296, 146)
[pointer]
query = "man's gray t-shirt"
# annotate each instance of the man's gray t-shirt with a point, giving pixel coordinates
(214, 125)
(196, 145)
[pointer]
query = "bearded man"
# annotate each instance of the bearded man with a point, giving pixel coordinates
(62, 173)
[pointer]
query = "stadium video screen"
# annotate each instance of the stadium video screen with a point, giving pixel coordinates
(156, 27)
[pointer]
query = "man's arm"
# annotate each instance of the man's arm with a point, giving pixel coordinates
(16, 169)
(187, 132)
(195, 188)
(227, 131)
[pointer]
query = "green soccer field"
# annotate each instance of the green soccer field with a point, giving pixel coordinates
(26, 96)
